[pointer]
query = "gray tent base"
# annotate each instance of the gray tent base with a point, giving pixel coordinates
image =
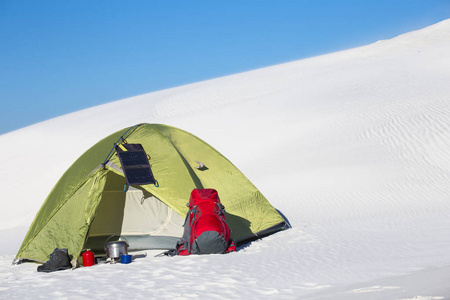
(148, 242)
(278, 227)
(135, 242)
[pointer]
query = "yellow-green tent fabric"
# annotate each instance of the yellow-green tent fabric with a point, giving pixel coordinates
(89, 204)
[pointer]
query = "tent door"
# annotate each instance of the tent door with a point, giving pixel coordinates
(142, 219)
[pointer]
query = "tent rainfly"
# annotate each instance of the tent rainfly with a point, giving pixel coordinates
(90, 205)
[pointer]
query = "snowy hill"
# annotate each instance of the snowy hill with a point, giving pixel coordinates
(352, 147)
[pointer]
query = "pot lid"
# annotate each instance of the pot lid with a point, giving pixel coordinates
(117, 243)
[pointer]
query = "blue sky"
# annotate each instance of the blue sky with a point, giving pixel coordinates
(58, 56)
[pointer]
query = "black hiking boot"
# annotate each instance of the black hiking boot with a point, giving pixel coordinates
(59, 260)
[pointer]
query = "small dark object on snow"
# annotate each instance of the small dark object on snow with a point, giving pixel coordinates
(59, 260)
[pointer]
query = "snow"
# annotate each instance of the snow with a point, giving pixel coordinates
(352, 147)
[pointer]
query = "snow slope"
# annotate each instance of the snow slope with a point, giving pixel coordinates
(352, 147)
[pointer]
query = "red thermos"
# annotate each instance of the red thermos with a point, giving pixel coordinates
(88, 258)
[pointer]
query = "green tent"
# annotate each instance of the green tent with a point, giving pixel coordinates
(89, 204)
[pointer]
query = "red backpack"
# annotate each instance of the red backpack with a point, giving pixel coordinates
(205, 228)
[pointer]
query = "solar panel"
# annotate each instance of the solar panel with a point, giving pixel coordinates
(135, 164)
(139, 176)
(133, 158)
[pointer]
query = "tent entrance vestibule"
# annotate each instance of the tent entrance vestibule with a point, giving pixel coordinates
(136, 216)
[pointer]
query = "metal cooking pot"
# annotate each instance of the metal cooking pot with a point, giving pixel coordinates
(116, 249)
